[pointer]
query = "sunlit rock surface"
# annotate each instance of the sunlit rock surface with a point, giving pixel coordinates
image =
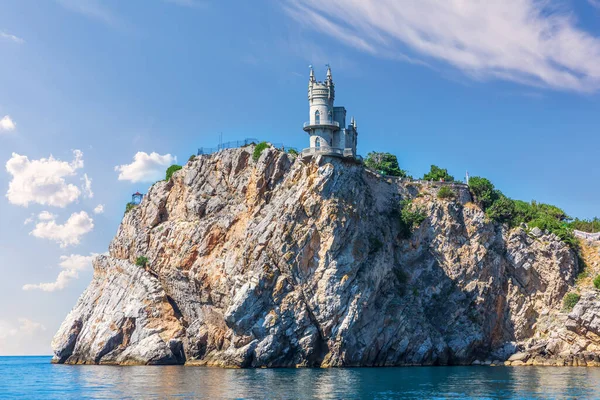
(284, 263)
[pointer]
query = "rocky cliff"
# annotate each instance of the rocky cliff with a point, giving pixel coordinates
(284, 262)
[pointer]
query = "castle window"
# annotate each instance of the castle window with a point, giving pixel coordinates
(317, 117)
(318, 142)
(330, 117)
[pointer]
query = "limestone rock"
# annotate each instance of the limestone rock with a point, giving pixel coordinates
(284, 263)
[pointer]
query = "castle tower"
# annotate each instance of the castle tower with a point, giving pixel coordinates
(321, 125)
(326, 124)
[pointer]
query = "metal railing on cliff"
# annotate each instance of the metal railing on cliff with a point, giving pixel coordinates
(240, 143)
(587, 235)
(416, 181)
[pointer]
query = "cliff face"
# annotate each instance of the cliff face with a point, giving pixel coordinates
(285, 263)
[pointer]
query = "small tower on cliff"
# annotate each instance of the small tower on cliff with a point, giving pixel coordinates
(326, 126)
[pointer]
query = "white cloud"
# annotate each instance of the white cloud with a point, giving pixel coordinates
(25, 337)
(526, 41)
(68, 234)
(26, 327)
(12, 38)
(145, 167)
(29, 220)
(42, 181)
(77, 262)
(99, 209)
(7, 124)
(87, 186)
(71, 265)
(46, 216)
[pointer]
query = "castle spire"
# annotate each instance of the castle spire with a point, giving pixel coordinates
(312, 74)
(328, 72)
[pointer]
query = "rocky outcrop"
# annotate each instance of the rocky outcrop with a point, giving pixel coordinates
(288, 263)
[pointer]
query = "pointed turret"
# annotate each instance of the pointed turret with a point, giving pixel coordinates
(312, 74)
(328, 73)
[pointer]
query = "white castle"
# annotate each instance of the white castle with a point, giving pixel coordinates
(326, 126)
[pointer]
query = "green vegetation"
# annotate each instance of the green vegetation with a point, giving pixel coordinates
(504, 210)
(411, 217)
(258, 150)
(385, 164)
(445, 193)
(597, 282)
(436, 174)
(293, 152)
(586, 225)
(570, 300)
(483, 191)
(129, 206)
(141, 261)
(192, 158)
(171, 170)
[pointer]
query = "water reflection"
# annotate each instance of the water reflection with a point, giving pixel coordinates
(34, 377)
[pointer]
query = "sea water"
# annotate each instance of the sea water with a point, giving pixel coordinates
(36, 378)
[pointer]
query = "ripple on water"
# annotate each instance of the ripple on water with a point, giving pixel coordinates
(35, 377)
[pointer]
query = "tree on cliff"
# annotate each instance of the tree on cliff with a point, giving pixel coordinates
(436, 173)
(384, 163)
(483, 191)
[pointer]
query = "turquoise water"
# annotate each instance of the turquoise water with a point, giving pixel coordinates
(36, 378)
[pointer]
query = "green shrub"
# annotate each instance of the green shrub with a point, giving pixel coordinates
(445, 193)
(258, 150)
(411, 218)
(141, 261)
(384, 163)
(293, 152)
(129, 206)
(586, 225)
(597, 282)
(502, 210)
(436, 173)
(192, 158)
(570, 300)
(483, 191)
(171, 170)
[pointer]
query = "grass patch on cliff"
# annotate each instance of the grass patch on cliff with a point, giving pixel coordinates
(586, 225)
(445, 193)
(292, 152)
(141, 261)
(597, 282)
(570, 300)
(258, 150)
(171, 170)
(411, 217)
(129, 206)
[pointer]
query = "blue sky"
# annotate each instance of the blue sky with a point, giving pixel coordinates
(505, 91)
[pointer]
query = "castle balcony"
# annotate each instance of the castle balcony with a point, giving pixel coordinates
(321, 124)
(328, 151)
